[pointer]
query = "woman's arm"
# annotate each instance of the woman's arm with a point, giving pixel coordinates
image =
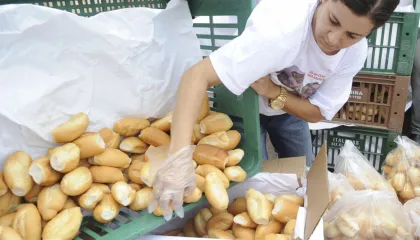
(191, 92)
(294, 105)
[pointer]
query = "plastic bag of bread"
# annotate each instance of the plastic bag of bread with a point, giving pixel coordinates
(402, 169)
(356, 168)
(412, 207)
(367, 214)
(339, 186)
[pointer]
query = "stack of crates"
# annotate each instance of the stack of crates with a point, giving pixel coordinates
(378, 98)
(219, 21)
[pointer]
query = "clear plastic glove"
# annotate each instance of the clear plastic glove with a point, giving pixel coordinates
(172, 177)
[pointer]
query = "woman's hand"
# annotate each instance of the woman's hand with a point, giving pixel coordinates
(266, 88)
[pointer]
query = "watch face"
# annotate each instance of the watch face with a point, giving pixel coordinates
(276, 105)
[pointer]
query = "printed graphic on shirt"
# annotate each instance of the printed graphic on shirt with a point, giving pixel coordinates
(293, 79)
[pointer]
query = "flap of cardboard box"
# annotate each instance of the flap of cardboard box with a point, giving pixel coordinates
(317, 191)
(295, 165)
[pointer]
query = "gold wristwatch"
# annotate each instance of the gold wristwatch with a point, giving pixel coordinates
(278, 103)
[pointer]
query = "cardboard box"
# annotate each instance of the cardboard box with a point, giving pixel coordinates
(309, 224)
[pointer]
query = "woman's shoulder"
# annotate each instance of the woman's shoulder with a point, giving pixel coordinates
(355, 56)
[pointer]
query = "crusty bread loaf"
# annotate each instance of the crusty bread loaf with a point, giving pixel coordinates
(289, 229)
(216, 122)
(27, 222)
(105, 174)
(194, 196)
(71, 129)
(112, 158)
(9, 203)
(32, 195)
(123, 193)
(273, 236)
(16, 173)
(272, 227)
(8, 233)
(133, 145)
(243, 233)
(215, 191)
(235, 157)
(64, 226)
(207, 154)
(235, 174)
(134, 171)
(217, 139)
(111, 138)
(200, 221)
(143, 198)
(258, 207)
(244, 220)
(234, 139)
(93, 196)
(200, 182)
(77, 181)
(65, 158)
(205, 169)
(163, 124)
(106, 210)
(3, 186)
(130, 127)
(51, 200)
(220, 234)
(90, 145)
(197, 135)
(285, 210)
(155, 137)
(42, 173)
(294, 198)
(222, 221)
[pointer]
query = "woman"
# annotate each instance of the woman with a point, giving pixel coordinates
(300, 56)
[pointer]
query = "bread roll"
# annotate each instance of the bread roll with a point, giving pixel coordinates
(133, 145)
(216, 211)
(217, 139)
(7, 220)
(207, 154)
(204, 170)
(142, 199)
(159, 211)
(106, 210)
(3, 186)
(105, 174)
(273, 236)
(235, 157)
(27, 222)
(77, 181)
(200, 182)
(111, 138)
(71, 129)
(216, 123)
(407, 192)
(130, 127)
(93, 196)
(32, 195)
(195, 196)
(90, 145)
(163, 124)
(155, 137)
(386, 228)
(8, 233)
(134, 171)
(51, 200)
(189, 230)
(242, 232)
(222, 221)
(197, 135)
(220, 234)
(235, 174)
(16, 173)
(289, 229)
(64, 226)
(414, 176)
(145, 173)
(238, 206)
(8, 203)
(258, 206)
(112, 158)
(285, 210)
(200, 221)
(234, 139)
(347, 226)
(123, 193)
(215, 192)
(293, 198)
(398, 181)
(272, 227)
(244, 220)
(69, 204)
(42, 173)
(204, 110)
(65, 158)
(386, 169)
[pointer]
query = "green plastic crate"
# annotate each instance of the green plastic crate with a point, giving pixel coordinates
(375, 144)
(243, 110)
(392, 47)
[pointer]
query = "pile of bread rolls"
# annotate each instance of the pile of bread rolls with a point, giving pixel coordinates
(367, 214)
(402, 169)
(254, 216)
(104, 171)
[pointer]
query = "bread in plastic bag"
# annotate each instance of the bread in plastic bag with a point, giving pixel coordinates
(412, 207)
(369, 215)
(338, 186)
(402, 168)
(356, 168)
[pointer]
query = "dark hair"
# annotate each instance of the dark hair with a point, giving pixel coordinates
(379, 11)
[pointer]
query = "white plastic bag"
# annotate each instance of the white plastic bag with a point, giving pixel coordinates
(412, 207)
(339, 186)
(355, 167)
(367, 215)
(54, 64)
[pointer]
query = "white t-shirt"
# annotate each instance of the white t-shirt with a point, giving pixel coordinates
(278, 40)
